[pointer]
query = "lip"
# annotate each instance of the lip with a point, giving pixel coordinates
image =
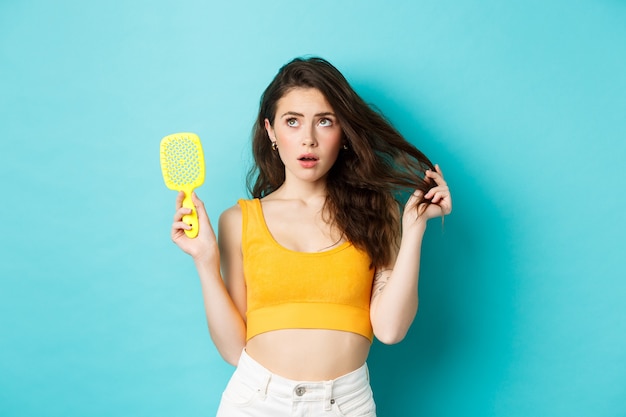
(308, 160)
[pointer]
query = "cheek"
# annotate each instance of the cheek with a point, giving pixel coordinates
(287, 142)
(335, 139)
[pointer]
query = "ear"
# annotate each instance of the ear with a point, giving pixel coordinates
(270, 130)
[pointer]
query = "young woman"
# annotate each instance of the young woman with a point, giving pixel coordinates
(323, 258)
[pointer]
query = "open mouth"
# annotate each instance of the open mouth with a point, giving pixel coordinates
(308, 158)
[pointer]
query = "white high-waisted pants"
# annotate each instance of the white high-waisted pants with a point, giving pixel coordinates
(254, 391)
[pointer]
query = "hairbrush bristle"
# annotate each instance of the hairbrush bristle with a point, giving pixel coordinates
(182, 161)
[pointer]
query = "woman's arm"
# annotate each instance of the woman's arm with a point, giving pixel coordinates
(395, 289)
(223, 309)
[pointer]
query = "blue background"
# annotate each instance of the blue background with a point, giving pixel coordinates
(521, 103)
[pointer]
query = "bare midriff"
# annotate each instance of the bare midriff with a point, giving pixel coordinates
(309, 354)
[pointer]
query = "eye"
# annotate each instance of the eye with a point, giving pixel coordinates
(292, 122)
(325, 122)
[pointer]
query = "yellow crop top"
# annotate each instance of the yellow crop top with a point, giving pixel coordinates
(288, 289)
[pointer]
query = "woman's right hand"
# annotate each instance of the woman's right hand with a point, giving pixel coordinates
(204, 246)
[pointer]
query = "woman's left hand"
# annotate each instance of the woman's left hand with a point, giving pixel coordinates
(439, 197)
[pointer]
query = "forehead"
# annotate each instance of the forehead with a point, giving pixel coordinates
(303, 100)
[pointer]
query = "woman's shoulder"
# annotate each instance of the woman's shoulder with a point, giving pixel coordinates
(233, 212)
(233, 215)
(229, 226)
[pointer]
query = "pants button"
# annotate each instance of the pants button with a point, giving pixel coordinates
(300, 391)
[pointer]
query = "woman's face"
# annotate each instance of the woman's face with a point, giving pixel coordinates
(307, 133)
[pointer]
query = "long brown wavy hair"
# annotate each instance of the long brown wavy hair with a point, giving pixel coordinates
(366, 184)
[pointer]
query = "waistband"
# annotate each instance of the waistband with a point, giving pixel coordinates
(266, 382)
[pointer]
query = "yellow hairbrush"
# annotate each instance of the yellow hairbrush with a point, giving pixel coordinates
(182, 165)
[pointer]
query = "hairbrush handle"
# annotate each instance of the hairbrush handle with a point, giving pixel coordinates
(192, 218)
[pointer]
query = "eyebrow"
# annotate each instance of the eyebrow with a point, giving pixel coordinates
(293, 113)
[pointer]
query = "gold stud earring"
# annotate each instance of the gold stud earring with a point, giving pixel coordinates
(274, 146)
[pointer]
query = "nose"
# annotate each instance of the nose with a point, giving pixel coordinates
(309, 138)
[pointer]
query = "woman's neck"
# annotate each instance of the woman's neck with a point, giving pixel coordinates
(300, 190)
